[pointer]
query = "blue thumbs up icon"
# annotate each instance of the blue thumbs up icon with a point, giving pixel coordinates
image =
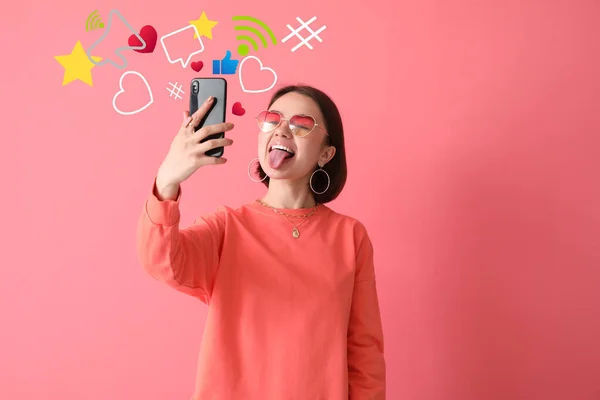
(226, 66)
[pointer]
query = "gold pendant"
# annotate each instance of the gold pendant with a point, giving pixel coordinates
(296, 233)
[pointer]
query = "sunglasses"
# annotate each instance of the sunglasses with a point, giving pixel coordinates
(300, 125)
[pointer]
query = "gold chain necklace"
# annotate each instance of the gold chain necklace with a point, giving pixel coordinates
(295, 231)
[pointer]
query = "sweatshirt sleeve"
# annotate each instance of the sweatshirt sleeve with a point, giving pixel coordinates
(185, 259)
(366, 363)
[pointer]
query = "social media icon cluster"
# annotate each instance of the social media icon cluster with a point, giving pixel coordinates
(79, 63)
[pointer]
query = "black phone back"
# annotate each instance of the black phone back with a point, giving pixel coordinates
(201, 89)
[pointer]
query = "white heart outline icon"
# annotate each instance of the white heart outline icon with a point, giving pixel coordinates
(262, 69)
(122, 90)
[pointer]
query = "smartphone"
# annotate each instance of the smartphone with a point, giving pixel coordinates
(200, 90)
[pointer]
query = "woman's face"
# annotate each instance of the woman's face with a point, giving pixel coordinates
(307, 151)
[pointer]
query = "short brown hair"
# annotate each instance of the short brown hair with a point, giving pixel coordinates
(336, 167)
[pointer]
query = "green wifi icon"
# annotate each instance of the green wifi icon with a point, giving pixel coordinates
(93, 22)
(243, 48)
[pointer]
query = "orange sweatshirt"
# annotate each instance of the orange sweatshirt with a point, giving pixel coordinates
(289, 318)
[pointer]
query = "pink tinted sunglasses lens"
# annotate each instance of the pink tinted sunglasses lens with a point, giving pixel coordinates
(267, 121)
(299, 124)
(302, 123)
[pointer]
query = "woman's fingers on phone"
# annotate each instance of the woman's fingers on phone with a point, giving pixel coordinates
(210, 145)
(211, 130)
(202, 110)
(215, 160)
(213, 144)
(186, 119)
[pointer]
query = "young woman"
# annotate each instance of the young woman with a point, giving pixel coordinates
(290, 283)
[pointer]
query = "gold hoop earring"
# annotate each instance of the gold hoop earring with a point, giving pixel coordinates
(250, 176)
(311, 178)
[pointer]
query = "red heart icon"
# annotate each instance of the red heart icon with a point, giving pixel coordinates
(148, 33)
(237, 109)
(197, 65)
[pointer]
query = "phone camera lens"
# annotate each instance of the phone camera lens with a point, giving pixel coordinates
(195, 87)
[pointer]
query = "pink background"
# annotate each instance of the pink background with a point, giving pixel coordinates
(472, 137)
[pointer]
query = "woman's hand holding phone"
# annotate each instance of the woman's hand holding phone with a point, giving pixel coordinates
(186, 154)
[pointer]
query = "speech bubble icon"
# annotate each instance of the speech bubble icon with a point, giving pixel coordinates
(180, 59)
(120, 49)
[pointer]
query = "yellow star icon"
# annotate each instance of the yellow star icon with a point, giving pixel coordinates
(203, 26)
(77, 65)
